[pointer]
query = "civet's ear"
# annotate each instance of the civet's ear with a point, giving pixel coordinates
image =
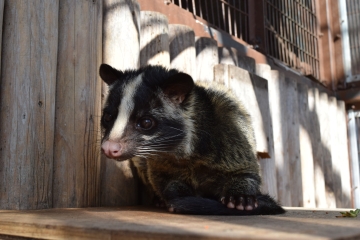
(109, 74)
(177, 87)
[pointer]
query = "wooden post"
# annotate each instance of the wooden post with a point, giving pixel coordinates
(182, 49)
(27, 103)
(206, 58)
(121, 49)
(154, 41)
(78, 104)
(306, 149)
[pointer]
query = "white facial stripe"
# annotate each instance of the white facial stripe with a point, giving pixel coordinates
(125, 109)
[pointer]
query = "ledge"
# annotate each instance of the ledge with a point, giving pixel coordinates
(140, 223)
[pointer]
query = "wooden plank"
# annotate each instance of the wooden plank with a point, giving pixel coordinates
(267, 163)
(336, 161)
(290, 96)
(317, 147)
(78, 104)
(145, 223)
(306, 149)
(206, 58)
(154, 41)
(279, 116)
(343, 154)
(27, 103)
(232, 56)
(182, 49)
(121, 33)
(326, 131)
(252, 91)
(121, 49)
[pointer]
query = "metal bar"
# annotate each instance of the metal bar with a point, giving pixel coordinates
(229, 21)
(354, 153)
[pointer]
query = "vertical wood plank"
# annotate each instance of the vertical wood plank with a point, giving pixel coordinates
(326, 131)
(317, 147)
(267, 163)
(78, 103)
(154, 42)
(121, 49)
(27, 103)
(306, 149)
(182, 49)
(252, 91)
(277, 89)
(206, 58)
(290, 96)
(335, 160)
(343, 154)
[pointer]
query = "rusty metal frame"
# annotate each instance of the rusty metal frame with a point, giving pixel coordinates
(231, 16)
(353, 31)
(291, 34)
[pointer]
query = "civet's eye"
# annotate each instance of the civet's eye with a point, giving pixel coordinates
(107, 117)
(145, 123)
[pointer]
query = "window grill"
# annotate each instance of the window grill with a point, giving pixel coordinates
(353, 13)
(290, 30)
(231, 16)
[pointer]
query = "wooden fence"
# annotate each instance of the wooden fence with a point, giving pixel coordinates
(51, 94)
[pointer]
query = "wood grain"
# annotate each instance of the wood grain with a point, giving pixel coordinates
(145, 223)
(326, 132)
(306, 149)
(290, 96)
(27, 103)
(78, 101)
(182, 49)
(206, 58)
(343, 154)
(154, 42)
(279, 116)
(121, 49)
(252, 91)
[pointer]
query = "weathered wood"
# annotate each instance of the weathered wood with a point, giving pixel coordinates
(145, 223)
(182, 49)
(232, 56)
(206, 58)
(279, 116)
(252, 91)
(78, 103)
(154, 41)
(27, 103)
(121, 49)
(290, 96)
(317, 146)
(121, 33)
(2, 2)
(335, 160)
(267, 162)
(343, 154)
(326, 131)
(306, 150)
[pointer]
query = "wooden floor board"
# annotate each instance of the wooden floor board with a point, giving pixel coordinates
(145, 223)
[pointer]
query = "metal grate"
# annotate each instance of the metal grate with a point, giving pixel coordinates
(231, 16)
(290, 27)
(353, 14)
